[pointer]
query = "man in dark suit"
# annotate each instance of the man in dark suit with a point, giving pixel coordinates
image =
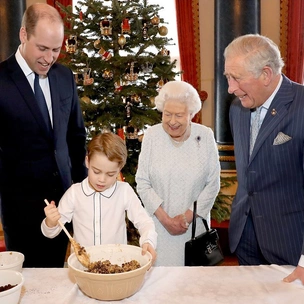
(267, 217)
(40, 156)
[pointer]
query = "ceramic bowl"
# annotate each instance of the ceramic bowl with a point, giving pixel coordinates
(115, 286)
(12, 277)
(11, 260)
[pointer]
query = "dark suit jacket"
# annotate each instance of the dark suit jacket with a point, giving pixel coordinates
(27, 149)
(34, 163)
(271, 182)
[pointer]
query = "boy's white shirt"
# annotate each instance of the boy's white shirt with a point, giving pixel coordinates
(99, 217)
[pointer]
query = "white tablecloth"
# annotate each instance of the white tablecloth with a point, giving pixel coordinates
(166, 285)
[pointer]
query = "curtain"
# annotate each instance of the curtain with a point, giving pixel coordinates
(292, 38)
(63, 2)
(187, 18)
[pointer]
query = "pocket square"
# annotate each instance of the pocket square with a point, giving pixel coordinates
(281, 139)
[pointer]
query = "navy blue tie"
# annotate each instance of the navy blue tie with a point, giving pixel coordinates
(42, 103)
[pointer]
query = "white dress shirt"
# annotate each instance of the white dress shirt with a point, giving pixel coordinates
(99, 217)
(43, 81)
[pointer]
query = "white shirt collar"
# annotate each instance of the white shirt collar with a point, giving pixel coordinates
(268, 102)
(22, 63)
(88, 190)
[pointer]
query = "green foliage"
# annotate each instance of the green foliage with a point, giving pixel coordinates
(221, 208)
(123, 79)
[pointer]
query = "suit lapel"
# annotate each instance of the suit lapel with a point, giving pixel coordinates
(245, 135)
(276, 112)
(26, 92)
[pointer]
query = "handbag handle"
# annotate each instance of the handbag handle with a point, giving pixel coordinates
(194, 221)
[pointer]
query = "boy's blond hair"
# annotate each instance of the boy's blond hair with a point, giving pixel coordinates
(111, 145)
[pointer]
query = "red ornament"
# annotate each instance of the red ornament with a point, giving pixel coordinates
(80, 15)
(105, 27)
(121, 133)
(125, 26)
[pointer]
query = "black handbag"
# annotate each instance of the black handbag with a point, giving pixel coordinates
(203, 250)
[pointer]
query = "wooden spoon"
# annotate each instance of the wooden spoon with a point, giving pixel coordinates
(80, 252)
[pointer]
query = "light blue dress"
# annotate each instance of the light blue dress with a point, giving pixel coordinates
(174, 177)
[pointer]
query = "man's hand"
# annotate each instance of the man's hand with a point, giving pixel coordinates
(298, 273)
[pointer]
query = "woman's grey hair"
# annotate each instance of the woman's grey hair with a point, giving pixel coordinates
(258, 51)
(179, 91)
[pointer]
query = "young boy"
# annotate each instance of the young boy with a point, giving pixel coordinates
(97, 205)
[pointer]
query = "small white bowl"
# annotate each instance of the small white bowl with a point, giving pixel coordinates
(11, 260)
(12, 277)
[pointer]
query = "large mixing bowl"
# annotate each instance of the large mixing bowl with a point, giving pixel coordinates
(115, 286)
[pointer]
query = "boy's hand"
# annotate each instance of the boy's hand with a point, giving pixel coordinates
(148, 247)
(52, 215)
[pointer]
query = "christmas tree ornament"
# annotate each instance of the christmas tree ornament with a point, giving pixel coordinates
(122, 40)
(118, 86)
(145, 31)
(125, 26)
(87, 80)
(105, 55)
(161, 83)
(120, 132)
(131, 73)
(136, 98)
(105, 27)
(155, 20)
(80, 15)
(163, 31)
(78, 78)
(132, 139)
(128, 99)
(131, 132)
(107, 74)
(97, 44)
(85, 99)
(71, 44)
(147, 67)
(164, 52)
(152, 100)
(128, 108)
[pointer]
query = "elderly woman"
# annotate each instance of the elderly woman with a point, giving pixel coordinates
(178, 165)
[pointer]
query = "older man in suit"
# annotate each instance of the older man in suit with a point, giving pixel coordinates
(41, 152)
(267, 218)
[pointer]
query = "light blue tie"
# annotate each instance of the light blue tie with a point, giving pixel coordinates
(255, 127)
(42, 103)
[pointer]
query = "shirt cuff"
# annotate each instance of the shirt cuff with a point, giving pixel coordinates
(150, 242)
(301, 261)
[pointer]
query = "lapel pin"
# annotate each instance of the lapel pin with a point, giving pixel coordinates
(273, 112)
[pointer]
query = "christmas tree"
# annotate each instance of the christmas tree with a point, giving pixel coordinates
(117, 51)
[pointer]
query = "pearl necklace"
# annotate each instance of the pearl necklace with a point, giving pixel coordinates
(185, 136)
(176, 143)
